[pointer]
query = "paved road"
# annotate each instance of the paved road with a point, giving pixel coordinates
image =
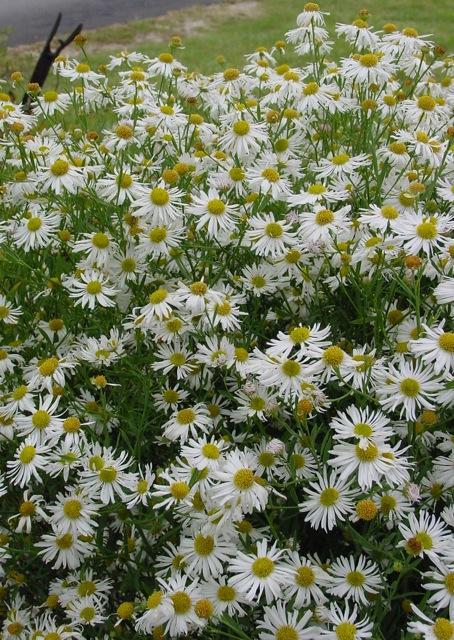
(31, 20)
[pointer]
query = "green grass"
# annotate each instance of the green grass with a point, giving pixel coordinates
(235, 28)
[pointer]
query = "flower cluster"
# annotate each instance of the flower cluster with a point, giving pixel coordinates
(227, 347)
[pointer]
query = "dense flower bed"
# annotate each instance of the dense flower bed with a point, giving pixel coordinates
(227, 348)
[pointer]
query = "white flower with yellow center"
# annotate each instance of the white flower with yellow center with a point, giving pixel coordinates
(211, 211)
(307, 578)
(426, 535)
(242, 137)
(97, 247)
(260, 573)
(437, 348)
(64, 549)
(238, 483)
(327, 501)
(361, 424)
(41, 424)
(37, 230)
(343, 625)
(441, 583)
(354, 578)
(204, 554)
(268, 236)
(159, 205)
(411, 387)
(187, 422)
(60, 176)
(8, 313)
(341, 165)
(90, 288)
(280, 624)
(438, 629)
(418, 232)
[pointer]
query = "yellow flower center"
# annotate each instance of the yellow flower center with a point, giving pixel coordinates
(224, 308)
(346, 631)
(270, 174)
(329, 496)
(125, 610)
(186, 416)
(426, 103)
(446, 341)
(108, 474)
(65, 541)
(368, 60)
(48, 367)
(56, 324)
(449, 582)
(93, 287)
(210, 451)
(367, 455)
(304, 577)
(27, 454)
(203, 545)
(27, 508)
(355, 578)
(177, 359)
(231, 74)
(159, 196)
(387, 504)
(82, 67)
(286, 633)
(316, 189)
(237, 174)
(34, 224)
(241, 127)
(216, 207)
(158, 296)
(266, 458)
(170, 396)
(100, 241)
(366, 509)
(262, 567)
(72, 509)
(274, 230)
(204, 609)
(243, 479)
(124, 181)
(226, 593)
(167, 58)
(179, 490)
(363, 429)
(124, 131)
(41, 419)
(59, 168)
(291, 368)
(15, 628)
(88, 613)
(157, 234)
(389, 212)
(199, 288)
(427, 230)
(410, 387)
(323, 217)
(181, 602)
(333, 356)
(257, 403)
(340, 159)
(155, 599)
(298, 460)
(443, 629)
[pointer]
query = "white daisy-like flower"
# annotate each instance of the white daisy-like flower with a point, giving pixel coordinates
(278, 622)
(238, 483)
(91, 288)
(364, 425)
(259, 573)
(425, 535)
(345, 625)
(437, 629)
(436, 348)
(36, 231)
(307, 581)
(328, 500)
(212, 212)
(410, 386)
(60, 177)
(268, 236)
(354, 578)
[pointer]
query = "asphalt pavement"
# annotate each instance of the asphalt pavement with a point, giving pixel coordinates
(31, 20)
